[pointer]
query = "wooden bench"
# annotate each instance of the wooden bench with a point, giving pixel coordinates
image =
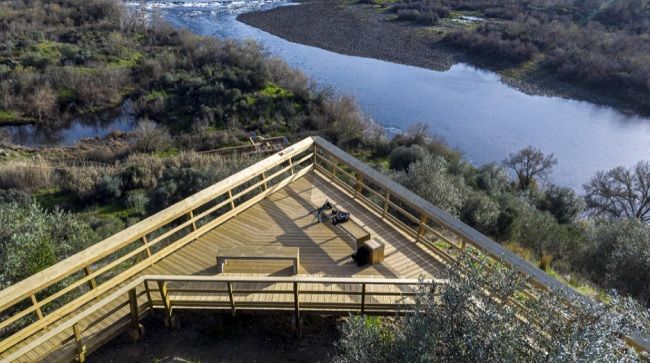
(352, 228)
(254, 253)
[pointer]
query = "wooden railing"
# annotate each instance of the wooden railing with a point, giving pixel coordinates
(42, 303)
(446, 236)
(228, 293)
(43, 299)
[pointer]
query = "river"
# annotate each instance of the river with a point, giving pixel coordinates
(469, 107)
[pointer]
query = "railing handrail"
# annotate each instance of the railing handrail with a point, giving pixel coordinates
(447, 220)
(467, 233)
(70, 323)
(292, 279)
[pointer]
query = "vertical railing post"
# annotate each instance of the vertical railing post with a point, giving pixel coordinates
(358, 186)
(92, 284)
(231, 295)
(296, 307)
(363, 298)
(386, 203)
(81, 348)
(421, 229)
(39, 312)
(190, 216)
(145, 241)
(264, 180)
(148, 292)
(232, 202)
(291, 165)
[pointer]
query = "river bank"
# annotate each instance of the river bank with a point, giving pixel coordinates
(369, 31)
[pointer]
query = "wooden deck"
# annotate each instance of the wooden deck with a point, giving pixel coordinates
(286, 218)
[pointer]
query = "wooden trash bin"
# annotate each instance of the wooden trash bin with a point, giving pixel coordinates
(376, 251)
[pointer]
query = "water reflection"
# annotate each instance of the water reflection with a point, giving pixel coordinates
(96, 125)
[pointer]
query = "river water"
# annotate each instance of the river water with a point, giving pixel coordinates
(470, 108)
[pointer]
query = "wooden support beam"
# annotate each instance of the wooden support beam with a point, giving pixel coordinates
(232, 298)
(423, 222)
(39, 313)
(386, 204)
(190, 216)
(133, 307)
(296, 307)
(81, 348)
(363, 298)
(92, 284)
(136, 330)
(164, 295)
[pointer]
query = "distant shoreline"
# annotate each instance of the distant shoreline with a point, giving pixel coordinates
(351, 30)
(358, 30)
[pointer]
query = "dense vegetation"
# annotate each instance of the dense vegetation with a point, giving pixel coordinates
(193, 93)
(459, 322)
(598, 45)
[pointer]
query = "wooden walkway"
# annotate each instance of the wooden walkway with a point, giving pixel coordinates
(285, 218)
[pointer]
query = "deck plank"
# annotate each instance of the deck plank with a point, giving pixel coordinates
(286, 218)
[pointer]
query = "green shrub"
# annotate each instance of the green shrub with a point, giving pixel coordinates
(429, 179)
(563, 203)
(402, 157)
(457, 322)
(32, 239)
(109, 188)
(492, 178)
(137, 201)
(480, 211)
(617, 255)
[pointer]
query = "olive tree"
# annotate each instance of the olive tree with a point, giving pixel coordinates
(430, 179)
(529, 164)
(563, 203)
(620, 193)
(460, 322)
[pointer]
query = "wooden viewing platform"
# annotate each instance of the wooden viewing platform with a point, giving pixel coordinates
(167, 262)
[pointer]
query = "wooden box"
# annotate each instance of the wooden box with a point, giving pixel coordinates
(376, 251)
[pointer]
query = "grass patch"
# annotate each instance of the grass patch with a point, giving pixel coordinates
(52, 198)
(8, 118)
(274, 91)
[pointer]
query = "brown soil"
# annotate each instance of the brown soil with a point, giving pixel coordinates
(216, 337)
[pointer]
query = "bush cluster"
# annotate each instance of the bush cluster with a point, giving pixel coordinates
(458, 322)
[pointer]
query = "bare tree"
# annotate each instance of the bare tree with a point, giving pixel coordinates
(530, 163)
(151, 137)
(43, 100)
(621, 193)
(418, 133)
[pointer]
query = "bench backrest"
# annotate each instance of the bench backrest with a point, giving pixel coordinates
(263, 252)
